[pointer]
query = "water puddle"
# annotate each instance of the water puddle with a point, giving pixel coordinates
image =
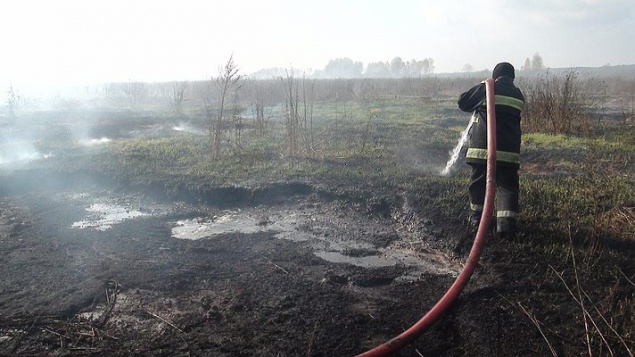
(103, 216)
(372, 261)
(284, 226)
(334, 236)
(328, 236)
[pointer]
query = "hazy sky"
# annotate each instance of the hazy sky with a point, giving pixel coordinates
(70, 41)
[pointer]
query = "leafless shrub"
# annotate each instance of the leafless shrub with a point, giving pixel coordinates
(227, 84)
(237, 122)
(308, 91)
(561, 104)
(291, 114)
(179, 91)
(258, 106)
(13, 101)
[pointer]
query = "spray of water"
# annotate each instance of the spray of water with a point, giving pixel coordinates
(454, 154)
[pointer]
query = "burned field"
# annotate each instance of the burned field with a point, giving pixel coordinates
(101, 259)
(95, 269)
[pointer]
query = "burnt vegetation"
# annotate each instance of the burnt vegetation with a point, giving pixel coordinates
(566, 286)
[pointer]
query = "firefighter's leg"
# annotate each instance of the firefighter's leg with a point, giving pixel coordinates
(477, 193)
(507, 207)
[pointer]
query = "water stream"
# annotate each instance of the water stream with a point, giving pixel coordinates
(454, 154)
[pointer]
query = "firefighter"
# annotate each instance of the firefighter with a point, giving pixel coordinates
(509, 104)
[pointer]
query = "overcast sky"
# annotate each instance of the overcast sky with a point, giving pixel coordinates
(87, 41)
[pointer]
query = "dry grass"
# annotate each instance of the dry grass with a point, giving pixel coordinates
(619, 221)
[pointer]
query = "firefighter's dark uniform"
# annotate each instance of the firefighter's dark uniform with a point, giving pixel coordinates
(509, 104)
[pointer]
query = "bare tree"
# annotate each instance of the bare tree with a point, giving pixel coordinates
(227, 83)
(237, 122)
(378, 70)
(428, 65)
(307, 103)
(259, 105)
(135, 92)
(291, 115)
(259, 108)
(13, 101)
(179, 91)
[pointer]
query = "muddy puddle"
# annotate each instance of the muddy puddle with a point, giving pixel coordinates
(334, 236)
(102, 216)
(330, 237)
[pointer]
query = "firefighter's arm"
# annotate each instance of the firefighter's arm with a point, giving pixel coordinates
(473, 98)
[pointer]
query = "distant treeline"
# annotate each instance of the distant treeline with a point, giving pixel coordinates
(347, 68)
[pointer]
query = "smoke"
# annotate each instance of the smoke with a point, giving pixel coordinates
(424, 160)
(188, 128)
(93, 142)
(17, 148)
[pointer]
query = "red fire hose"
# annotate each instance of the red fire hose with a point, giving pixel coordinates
(461, 281)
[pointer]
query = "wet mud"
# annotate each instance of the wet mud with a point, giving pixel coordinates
(92, 268)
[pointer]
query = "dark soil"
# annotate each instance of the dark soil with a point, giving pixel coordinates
(134, 289)
(284, 269)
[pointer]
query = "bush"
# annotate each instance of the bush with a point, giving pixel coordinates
(560, 104)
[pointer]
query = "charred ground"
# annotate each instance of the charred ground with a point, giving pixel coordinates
(302, 271)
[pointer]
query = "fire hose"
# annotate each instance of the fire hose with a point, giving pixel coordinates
(440, 308)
